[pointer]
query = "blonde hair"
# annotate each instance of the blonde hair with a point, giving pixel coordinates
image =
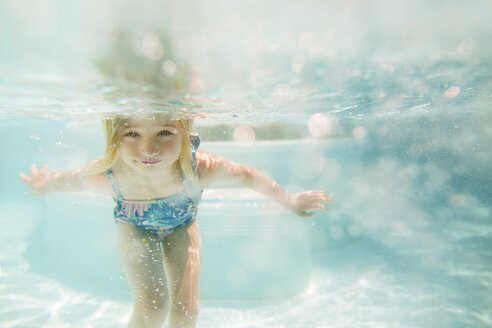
(113, 132)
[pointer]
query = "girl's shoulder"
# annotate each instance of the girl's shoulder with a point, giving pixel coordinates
(207, 161)
(207, 165)
(95, 175)
(212, 167)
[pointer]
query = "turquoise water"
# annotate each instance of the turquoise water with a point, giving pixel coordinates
(388, 106)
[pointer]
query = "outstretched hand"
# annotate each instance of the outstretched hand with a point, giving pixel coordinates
(40, 180)
(303, 203)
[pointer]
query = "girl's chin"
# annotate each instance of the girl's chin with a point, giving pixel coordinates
(149, 167)
(143, 167)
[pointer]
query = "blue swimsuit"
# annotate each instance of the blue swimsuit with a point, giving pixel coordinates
(162, 216)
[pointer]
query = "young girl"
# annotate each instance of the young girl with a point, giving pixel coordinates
(156, 173)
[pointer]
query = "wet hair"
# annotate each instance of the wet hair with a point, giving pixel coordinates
(113, 133)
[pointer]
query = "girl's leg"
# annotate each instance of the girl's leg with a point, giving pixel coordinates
(182, 255)
(141, 254)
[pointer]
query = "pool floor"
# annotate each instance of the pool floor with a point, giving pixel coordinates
(358, 285)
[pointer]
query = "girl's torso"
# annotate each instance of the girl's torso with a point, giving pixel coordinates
(156, 206)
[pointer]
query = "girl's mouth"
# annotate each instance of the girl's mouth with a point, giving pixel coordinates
(150, 161)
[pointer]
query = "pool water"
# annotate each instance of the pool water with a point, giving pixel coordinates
(387, 106)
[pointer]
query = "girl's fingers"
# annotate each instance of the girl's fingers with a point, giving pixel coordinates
(34, 169)
(323, 198)
(320, 195)
(24, 178)
(317, 206)
(44, 169)
(322, 207)
(326, 198)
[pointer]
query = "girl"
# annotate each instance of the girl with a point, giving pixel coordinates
(156, 173)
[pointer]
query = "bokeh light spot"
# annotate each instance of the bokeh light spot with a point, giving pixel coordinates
(297, 63)
(169, 67)
(466, 46)
(359, 132)
(320, 125)
(152, 46)
(390, 68)
(452, 92)
(457, 199)
(244, 135)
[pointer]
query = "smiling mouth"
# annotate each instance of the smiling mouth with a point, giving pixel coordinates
(150, 162)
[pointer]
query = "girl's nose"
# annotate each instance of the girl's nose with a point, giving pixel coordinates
(149, 148)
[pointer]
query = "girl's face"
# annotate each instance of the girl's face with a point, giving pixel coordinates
(149, 145)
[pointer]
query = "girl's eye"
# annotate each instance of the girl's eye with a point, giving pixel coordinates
(164, 133)
(132, 134)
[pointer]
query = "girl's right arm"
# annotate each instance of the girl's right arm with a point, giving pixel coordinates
(213, 168)
(45, 181)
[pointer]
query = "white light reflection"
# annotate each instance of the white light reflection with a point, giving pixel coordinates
(282, 92)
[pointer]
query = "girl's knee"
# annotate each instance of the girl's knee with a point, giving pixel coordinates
(149, 314)
(152, 306)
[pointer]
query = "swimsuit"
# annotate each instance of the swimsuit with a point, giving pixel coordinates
(162, 216)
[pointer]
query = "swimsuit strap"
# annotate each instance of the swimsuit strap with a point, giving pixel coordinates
(109, 173)
(195, 143)
(191, 183)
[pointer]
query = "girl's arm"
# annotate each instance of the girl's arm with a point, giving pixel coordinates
(212, 168)
(45, 181)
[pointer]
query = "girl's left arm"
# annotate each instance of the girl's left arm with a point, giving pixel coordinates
(44, 181)
(212, 168)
